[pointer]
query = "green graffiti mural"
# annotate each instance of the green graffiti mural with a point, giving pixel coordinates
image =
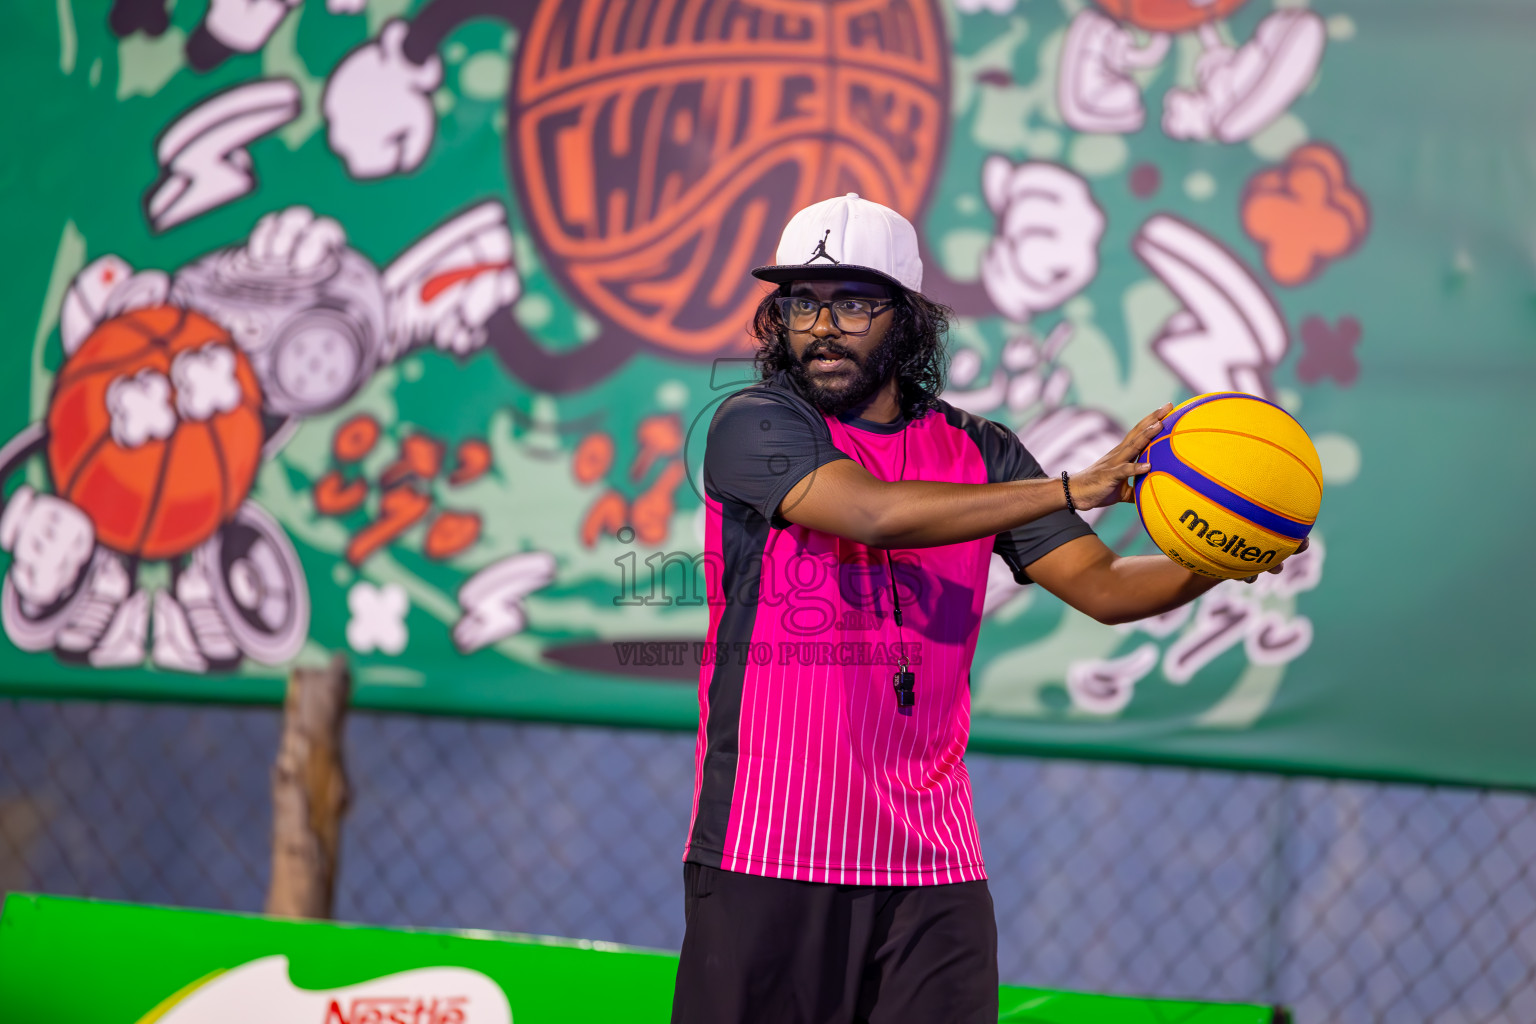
(393, 328)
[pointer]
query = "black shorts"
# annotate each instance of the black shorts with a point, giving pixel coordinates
(775, 951)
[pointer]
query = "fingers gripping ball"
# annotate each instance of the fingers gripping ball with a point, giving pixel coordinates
(154, 430)
(1234, 485)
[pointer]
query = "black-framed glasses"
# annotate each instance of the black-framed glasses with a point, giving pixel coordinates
(849, 316)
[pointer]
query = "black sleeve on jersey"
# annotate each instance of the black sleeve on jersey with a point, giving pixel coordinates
(1006, 459)
(761, 443)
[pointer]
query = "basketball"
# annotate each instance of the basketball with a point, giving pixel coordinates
(1234, 486)
(1170, 15)
(154, 430)
(659, 149)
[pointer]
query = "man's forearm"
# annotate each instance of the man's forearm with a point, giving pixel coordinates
(925, 514)
(842, 497)
(1127, 589)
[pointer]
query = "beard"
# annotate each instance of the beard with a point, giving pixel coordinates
(837, 393)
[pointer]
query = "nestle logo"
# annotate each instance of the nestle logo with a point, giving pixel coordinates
(1234, 545)
(399, 1010)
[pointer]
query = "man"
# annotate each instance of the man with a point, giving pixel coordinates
(833, 871)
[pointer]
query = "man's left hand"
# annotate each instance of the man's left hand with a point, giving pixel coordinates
(1112, 478)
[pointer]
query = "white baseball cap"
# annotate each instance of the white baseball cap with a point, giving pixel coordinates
(847, 237)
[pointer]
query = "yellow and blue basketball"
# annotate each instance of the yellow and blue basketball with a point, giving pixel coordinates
(1234, 486)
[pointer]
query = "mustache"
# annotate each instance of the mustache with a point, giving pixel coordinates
(826, 351)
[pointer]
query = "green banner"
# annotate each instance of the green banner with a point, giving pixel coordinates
(155, 964)
(393, 327)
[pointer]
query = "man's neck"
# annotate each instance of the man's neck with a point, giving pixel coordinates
(883, 406)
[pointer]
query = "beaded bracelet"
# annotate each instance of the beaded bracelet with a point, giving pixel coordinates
(1067, 491)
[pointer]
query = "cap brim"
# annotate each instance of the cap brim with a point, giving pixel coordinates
(824, 272)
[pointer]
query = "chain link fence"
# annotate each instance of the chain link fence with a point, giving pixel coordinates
(1348, 901)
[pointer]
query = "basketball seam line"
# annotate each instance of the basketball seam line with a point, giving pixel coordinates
(104, 366)
(134, 321)
(156, 494)
(154, 339)
(85, 460)
(225, 512)
(1226, 487)
(181, 321)
(1254, 437)
(1194, 469)
(1179, 414)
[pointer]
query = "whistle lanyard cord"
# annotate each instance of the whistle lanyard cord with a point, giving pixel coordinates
(889, 568)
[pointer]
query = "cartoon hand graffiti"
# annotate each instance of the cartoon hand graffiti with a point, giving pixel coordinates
(1048, 231)
(1097, 92)
(1240, 91)
(50, 541)
(378, 104)
(1236, 93)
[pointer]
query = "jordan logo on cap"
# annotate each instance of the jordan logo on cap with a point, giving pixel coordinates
(821, 249)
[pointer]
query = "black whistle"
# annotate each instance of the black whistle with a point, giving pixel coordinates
(905, 683)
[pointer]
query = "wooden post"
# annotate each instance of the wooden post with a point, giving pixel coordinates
(309, 792)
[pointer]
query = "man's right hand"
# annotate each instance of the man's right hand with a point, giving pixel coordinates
(1111, 479)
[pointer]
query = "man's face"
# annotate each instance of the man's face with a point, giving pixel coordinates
(840, 372)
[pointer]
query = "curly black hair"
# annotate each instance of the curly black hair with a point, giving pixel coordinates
(919, 335)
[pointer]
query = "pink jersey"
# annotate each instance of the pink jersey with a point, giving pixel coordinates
(806, 766)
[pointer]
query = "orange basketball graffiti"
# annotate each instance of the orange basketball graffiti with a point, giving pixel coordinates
(157, 457)
(659, 154)
(1304, 213)
(1170, 15)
